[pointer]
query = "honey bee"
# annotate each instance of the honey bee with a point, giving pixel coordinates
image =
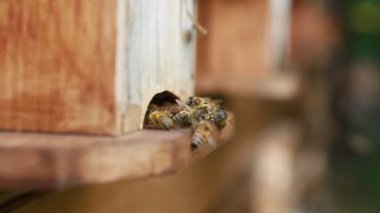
(202, 115)
(187, 116)
(198, 102)
(202, 134)
(198, 109)
(184, 119)
(219, 117)
(161, 119)
(201, 106)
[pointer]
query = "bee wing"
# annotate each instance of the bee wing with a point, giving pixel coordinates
(212, 142)
(217, 101)
(182, 104)
(194, 122)
(206, 99)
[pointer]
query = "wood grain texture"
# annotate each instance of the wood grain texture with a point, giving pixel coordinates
(80, 66)
(54, 160)
(160, 57)
(57, 61)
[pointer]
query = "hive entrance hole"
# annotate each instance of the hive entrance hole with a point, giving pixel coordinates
(162, 99)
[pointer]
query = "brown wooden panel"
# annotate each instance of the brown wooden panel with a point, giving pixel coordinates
(315, 35)
(235, 52)
(57, 64)
(51, 160)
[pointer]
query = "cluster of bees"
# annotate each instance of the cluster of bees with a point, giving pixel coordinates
(202, 115)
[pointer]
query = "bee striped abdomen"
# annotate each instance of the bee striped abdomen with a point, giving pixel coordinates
(161, 120)
(202, 134)
(202, 115)
(198, 140)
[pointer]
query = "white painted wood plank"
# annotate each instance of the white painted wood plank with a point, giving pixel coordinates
(158, 56)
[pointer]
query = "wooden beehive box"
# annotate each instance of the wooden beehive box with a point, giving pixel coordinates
(90, 66)
(246, 48)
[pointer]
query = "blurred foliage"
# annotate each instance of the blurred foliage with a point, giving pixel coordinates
(355, 158)
(362, 22)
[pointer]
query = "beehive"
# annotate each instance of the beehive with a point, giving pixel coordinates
(90, 67)
(247, 44)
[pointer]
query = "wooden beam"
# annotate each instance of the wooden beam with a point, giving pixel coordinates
(9, 201)
(281, 87)
(29, 160)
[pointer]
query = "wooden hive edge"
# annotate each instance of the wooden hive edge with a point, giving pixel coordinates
(39, 160)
